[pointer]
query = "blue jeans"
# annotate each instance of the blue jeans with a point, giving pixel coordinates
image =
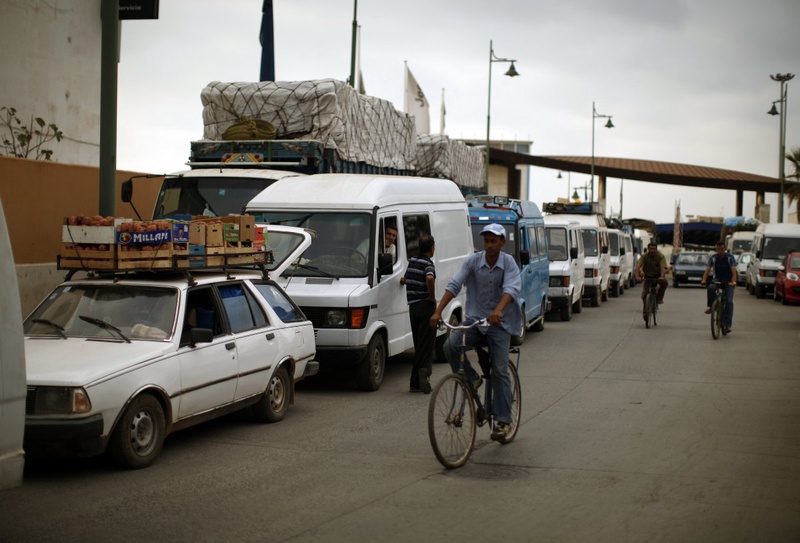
(499, 342)
(727, 315)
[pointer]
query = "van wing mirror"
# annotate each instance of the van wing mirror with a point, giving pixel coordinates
(573, 253)
(126, 191)
(524, 258)
(385, 262)
(605, 249)
(622, 251)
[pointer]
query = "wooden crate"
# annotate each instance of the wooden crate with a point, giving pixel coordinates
(86, 257)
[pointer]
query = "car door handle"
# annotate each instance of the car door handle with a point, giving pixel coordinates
(230, 346)
(270, 335)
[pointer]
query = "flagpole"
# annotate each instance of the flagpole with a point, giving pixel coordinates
(441, 118)
(353, 45)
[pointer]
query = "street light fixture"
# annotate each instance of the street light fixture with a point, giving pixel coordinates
(512, 72)
(609, 124)
(782, 78)
(569, 182)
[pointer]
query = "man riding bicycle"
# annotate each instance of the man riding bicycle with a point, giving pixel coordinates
(652, 266)
(493, 284)
(723, 265)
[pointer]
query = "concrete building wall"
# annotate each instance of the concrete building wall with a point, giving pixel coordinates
(50, 68)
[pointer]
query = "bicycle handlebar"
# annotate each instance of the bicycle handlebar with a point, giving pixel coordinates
(480, 322)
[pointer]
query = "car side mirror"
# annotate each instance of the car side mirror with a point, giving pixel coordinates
(573, 253)
(524, 258)
(200, 335)
(781, 268)
(126, 191)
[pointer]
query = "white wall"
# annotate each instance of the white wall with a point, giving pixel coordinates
(50, 66)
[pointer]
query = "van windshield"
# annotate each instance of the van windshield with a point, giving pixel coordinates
(613, 242)
(778, 248)
(557, 244)
(341, 247)
(741, 245)
(589, 242)
(511, 246)
(210, 196)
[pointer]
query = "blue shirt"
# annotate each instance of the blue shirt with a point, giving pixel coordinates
(722, 268)
(486, 286)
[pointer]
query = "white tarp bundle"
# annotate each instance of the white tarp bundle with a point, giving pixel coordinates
(439, 156)
(360, 128)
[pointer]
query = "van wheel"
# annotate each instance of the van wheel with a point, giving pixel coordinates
(604, 295)
(566, 312)
(538, 326)
(760, 291)
(614, 289)
(520, 339)
(577, 307)
(369, 373)
(442, 339)
(596, 295)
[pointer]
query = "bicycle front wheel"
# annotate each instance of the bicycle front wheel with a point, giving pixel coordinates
(654, 309)
(716, 319)
(648, 309)
(451, 421)
(516, 404)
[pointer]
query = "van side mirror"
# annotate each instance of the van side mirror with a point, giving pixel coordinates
(524, 257)
(385, 263)
(622, 251)
(126, 191)
(605, 249)
(758, 255)
(573, 253)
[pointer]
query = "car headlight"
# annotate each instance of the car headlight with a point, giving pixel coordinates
(792, 277)
(61, 400)
(336, 317)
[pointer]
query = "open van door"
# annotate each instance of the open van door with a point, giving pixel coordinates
(12, 368)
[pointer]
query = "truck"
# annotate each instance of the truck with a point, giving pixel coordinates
(527, 243)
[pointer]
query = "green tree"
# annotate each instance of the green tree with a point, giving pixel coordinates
(792, 189)
(26, 141)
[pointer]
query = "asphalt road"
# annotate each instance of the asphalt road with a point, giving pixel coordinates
(628, 434)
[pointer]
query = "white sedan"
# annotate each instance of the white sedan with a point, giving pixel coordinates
(118, 361)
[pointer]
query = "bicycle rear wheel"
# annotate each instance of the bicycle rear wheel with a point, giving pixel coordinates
(451, 421)
(648, 309)
(716, 319)
(516, 404)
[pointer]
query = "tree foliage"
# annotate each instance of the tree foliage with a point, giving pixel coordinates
(26, 140)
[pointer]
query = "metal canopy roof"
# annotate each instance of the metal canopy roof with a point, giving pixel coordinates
(668, 173)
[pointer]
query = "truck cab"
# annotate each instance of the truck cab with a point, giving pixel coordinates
(526, 241)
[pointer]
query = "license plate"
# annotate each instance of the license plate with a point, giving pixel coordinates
(694, 278)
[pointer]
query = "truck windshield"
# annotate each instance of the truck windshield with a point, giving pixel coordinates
(210, 196)
(342, 245)
(778, 248)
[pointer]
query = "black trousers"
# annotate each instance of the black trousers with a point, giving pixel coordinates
(420, 314)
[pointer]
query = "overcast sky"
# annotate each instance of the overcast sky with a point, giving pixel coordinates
(686, 81)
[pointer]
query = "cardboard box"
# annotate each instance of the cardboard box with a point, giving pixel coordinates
(197, 233)
(180, 232)
(197, 256)
(215, 255)
(230, 232)
(214, 235)
(90, 234)
(247, 228)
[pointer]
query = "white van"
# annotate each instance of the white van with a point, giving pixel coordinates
(620, 260)
(597, 263)
(565, 249)
(345, 283)
(13, 386)
(771, 244)
(641, 239)
(740, 242)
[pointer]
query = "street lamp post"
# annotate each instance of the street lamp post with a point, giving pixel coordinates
(512, 72)
(569, 182)
(609, 124)
(783, 78)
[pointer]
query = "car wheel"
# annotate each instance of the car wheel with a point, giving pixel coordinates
(139, 435)
(442, 339)
(274, 404)
(760, 291)
(369, 373)
(783, 296)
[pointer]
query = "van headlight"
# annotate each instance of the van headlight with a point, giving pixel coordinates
(60, 400)
(336, 318)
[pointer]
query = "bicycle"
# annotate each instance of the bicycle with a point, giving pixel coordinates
(651, 302)
(456, 408)
(718, 307)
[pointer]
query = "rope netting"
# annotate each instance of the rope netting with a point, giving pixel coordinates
(439, 156)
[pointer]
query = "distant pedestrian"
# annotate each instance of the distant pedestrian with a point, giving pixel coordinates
(420, 283)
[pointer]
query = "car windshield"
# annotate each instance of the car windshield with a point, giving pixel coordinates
(342, 245)
(794, 263)
(209, 196)
(692, 260)
(778, 248)
(105, 312)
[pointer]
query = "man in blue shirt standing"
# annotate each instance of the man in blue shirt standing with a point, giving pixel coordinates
(493, 284)
(723, 265)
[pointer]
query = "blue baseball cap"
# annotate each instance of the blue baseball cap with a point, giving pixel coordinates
(495, 229)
